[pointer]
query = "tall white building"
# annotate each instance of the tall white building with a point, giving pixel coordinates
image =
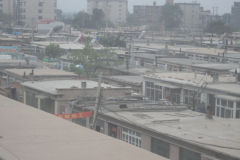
(191, 15)
(30, 12)
(114, 10)
(7, 7)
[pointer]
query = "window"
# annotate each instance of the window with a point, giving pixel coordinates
(100, 126)
(160, 147)
(224, 108)
(131, 137)
(31, 99)
(48, 105)
(40, 17)
(185, 154)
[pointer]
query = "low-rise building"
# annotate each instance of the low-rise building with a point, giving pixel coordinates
(11, 79)
(57, 96)
(177, 135)
(135, 82)
(198, 91)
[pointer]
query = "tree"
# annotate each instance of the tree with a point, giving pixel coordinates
(92, 60)
(112, 41)
(52, 50)
(98, 18)
(82, 20)
(171, 16)
(218, 27)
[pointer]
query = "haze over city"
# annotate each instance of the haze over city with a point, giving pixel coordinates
(119, 79)
(224, 6)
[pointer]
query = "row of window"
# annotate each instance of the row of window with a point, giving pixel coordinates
(225, 108)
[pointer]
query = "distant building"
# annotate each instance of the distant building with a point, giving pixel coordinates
(146, 15)
(235, 18)
(205, 17)
(191, 16)
(7, 7)
(30, 12)
(114, 10)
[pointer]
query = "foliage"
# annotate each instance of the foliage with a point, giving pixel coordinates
(94, 21)
(57, 29)
(112, 41)
(218, 27)
(171, 16)
(52, 50)
(92, 60)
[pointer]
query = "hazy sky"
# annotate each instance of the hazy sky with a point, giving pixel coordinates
(77, 5)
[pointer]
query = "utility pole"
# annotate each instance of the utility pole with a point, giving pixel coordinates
(98, 102)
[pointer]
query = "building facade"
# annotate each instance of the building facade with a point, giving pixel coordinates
(169, 134)
(114, 10)
(7, 7)
(30, 12)
(191, 16)
(235, 18)
(196, 91)
(147, 14)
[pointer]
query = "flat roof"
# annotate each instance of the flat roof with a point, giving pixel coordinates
(31, 134)
(53, 86)
(221, 135)
(190, 49)
(188, 78)
(181, 61)
(41, 72)
(64, 45)
(127, 79)
(216, 66)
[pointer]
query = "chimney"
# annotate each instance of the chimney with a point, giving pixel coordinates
(84, 85)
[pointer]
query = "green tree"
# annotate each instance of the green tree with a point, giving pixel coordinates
(98, 18)
(92, 60)
(53, 50)
(82, 20)
(218, 27)
(171, 16)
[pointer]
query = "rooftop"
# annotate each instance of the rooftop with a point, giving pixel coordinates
(35, 135)
(52, 87)
(226, 84)
(127, 79)
(40, 72)
(191, 49)
(221, 135)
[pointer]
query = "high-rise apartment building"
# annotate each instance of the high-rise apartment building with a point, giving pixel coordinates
(235, 17)
(7, 7)
(30, 12)
(191, 16)
(146, 14)
(114, 10)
